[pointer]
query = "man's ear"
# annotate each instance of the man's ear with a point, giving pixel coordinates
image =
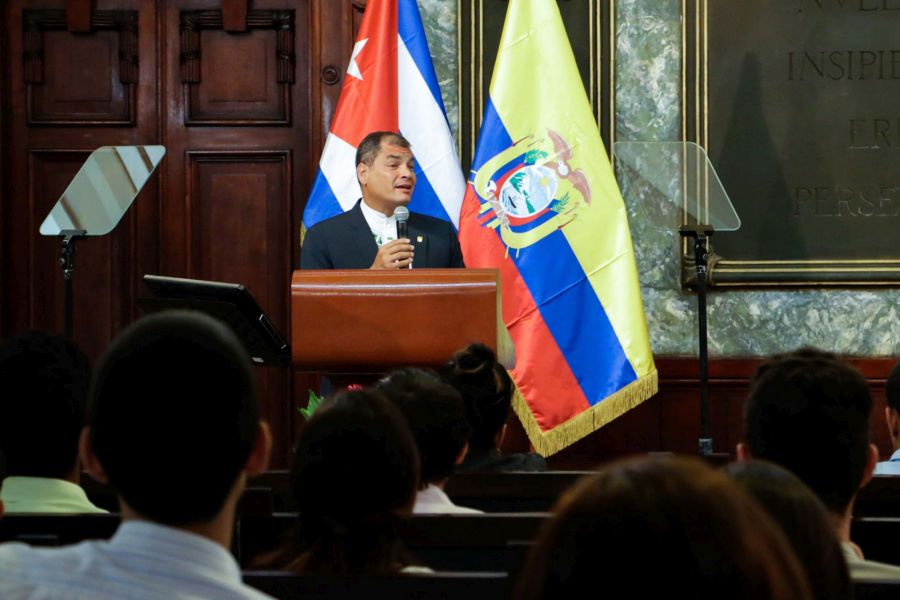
(258, 461)
(89, 460)
(743, 452)
(871, 461)
(362, 173)
(462, 454)
(501, 435)
(893, 421)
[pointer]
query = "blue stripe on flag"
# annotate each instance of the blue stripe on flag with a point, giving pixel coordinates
(425, 200)
(321, 204)
(574, 316)
(413, 35)
(493, 138)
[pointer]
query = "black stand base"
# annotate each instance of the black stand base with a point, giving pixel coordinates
(67, 262)
(699, 234)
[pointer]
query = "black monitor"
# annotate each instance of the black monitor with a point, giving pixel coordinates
(228, 302)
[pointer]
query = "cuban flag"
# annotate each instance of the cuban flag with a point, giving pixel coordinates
(390, 85)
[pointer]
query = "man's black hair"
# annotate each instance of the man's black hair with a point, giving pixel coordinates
(371, 144)
(436, 415)
(354, 477)
(174, 416)
(44, 383)
(809, 412)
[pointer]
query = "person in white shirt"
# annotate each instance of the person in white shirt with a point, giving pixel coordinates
(892, 418)
(174, 426)
(45, 380)
(436, 414)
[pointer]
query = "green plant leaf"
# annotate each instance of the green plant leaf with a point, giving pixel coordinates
(312, 404)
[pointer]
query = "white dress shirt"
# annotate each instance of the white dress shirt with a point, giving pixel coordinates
(142, 561)
(383, 228)
(433, 501)
(890, 466)
(868, 570)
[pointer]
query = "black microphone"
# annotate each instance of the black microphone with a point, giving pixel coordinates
(402, 215)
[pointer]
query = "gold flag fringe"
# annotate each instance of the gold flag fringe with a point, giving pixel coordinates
(550, 442)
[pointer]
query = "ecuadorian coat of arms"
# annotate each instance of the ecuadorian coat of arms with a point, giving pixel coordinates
(530, 189)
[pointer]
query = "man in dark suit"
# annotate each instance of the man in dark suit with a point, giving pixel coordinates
(365, 237)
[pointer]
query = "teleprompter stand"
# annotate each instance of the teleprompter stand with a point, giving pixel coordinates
(94, 202)
(677, 189)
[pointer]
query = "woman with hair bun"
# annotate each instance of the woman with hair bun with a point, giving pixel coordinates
(487, 390)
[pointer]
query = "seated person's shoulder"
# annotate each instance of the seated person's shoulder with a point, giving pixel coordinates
(316, 250)
(867, 570)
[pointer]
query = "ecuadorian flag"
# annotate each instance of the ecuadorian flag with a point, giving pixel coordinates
(542, 205)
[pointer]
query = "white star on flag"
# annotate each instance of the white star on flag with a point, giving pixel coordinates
(353, 68)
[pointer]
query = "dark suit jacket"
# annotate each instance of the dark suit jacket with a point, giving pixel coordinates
(492, 461)
(346, 242)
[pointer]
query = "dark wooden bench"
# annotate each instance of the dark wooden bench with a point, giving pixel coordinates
(511, 492)
(878, 537)
(876, 590)
(57, 530)
(437, 586)
(490, 492)
(256, 499)
(467, 542)
(880, 498)
(279, 481)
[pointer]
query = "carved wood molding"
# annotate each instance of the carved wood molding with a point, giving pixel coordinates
(194, 21)
(36, 22)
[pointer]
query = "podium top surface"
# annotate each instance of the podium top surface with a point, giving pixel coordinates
(372, 321)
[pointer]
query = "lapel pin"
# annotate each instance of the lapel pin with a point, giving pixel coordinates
(419, 239)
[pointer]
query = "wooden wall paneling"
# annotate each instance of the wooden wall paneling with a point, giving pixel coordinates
(237, 204)
(676, 413)
(238, 233)
(236, 71)
(78, 15)
(44, 154)
(81, 79)
(237, 129)
(4, 166)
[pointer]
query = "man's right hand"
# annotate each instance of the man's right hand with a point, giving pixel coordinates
(397, 254)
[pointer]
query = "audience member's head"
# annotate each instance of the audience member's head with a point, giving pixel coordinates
(805, 521)
(44, 380)
(174, 420)
(436, 414)
(670, 526)
(355, 474)
(809, 412)
(487, 390)
(892, 410)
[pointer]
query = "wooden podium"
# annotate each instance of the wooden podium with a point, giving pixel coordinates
(362, 321)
